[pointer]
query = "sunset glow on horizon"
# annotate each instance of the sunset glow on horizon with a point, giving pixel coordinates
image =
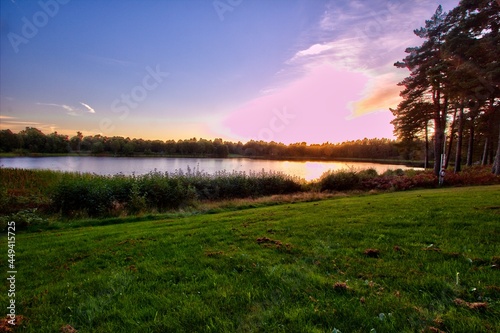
(284, 71)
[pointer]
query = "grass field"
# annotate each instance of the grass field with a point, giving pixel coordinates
(413, 261)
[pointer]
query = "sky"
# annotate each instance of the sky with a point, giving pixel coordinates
(287, 71)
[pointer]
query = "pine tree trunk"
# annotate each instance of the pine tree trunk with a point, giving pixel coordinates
(426, 160)
(496, 163)
(439, 128)
(450, 144)
(458, 154)
(438, 147)
(448, 151)
(470, 148)
(484, 159)
(491, 154)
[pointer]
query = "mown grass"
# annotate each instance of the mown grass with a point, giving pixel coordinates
(375, 263)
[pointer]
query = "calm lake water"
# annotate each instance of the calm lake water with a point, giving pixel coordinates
(307, 170)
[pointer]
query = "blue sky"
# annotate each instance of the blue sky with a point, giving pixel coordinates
(282, 70)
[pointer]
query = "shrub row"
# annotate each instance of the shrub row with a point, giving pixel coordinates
(74, 194)
(100, 195)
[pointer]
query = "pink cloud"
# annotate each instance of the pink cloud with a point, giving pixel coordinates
(314, 109)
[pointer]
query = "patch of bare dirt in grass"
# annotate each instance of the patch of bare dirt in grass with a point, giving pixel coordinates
(272, 243)
(214, 254)
(341, 287)
(68, 329)
(6, 326)
(471, 305)
(372, 253)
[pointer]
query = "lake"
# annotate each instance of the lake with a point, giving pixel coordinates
(308, 170)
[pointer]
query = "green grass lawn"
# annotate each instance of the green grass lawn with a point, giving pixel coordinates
(398, 262)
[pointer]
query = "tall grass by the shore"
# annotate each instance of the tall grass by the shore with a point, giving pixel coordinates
(77, 194)
(157, 191)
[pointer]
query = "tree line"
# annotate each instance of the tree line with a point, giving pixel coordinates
(451, 99)
(32, 140)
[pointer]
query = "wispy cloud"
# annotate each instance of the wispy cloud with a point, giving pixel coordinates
(360, 35)
(91, 110)
(31, 123)
(315, 49)
(109, 61)
(71, 110)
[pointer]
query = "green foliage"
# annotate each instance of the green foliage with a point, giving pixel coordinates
(94, 195)
(25, 189)
(8, 141)
(341, 180)
(91, 195)
(4, 199)
(225, 185)
(137, 203)
(368, 173)
(24, 219)
(164, 191)
(392, 173)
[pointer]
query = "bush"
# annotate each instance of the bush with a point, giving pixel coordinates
(92, 195)
(392, 173)
(475, 175)
(23, 220)
(424, 179)
(164, 191)
(136, 202)
(341, 180)
(395, 181)
(367, 174)
(224, 185)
